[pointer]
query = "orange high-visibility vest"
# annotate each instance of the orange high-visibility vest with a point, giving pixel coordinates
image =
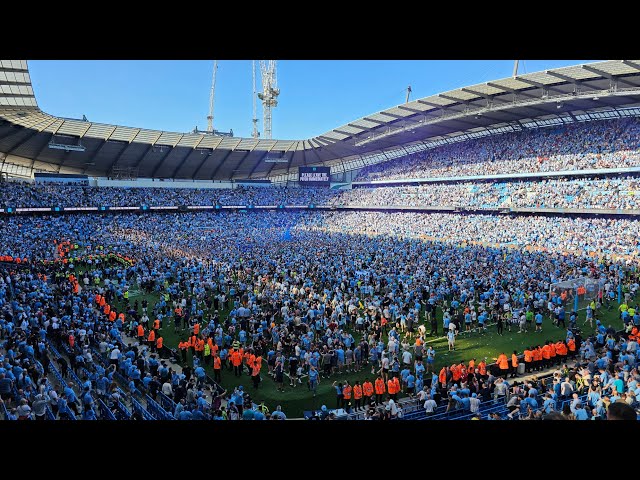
(159, 343)
(528, 356)
(380, 386)
(217, 364)
(112, 316)
(346, 392)
(152, 336)
(502, 362)
(367, 388)
(442, 376)
(156, 324)
(236, 359)
(357, 392)
(196, 329)
(396, 384)
(537, 354)
(514, 360)
(140, 331)
(391, 387)
(572, 345)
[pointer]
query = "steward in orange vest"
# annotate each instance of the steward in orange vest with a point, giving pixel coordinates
(217, 368)
(357, 395)
(514, 364)
(367, 391)
(380, 389)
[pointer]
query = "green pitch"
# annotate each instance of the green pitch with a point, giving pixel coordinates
(297, 399)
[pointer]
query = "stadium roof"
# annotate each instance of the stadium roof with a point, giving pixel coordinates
(596, 90)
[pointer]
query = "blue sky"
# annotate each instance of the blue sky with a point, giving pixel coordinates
(316, 95)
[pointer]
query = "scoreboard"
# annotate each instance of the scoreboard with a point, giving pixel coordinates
(314, 175)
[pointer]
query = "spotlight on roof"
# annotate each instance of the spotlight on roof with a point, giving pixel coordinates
(596, 98)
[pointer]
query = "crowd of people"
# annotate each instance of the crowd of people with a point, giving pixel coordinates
(606, 193)
(592, 193)
(22, 194)
(597, 236)
(579, 146)
(294, 300)
(594, 379)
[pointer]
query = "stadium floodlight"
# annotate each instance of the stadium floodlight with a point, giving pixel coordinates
(66, 148)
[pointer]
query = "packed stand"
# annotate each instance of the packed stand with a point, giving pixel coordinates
(580, 146)
(606, 193)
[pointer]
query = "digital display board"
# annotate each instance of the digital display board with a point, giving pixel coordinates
(314, 175)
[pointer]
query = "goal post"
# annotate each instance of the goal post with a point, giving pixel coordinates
(575, 294)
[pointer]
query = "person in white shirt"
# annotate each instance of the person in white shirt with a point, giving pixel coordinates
(114, 355)
(474, 403)
(422, 395)
(385, 367)
(167, 389)
(430, 405)
(392, 408)
(406, 357)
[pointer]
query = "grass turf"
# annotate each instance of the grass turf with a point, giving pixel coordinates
(295, 400)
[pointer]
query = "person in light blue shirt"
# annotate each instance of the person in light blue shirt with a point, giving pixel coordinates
(340, 354)
(549, 404)
(538, 319)
(313, 379)
(198, 415)
(185, 415)
(279, 414)
(200, 374)
(411, 384)
(179, 408)
(618, 384)
(89, 414)
(531, 401)
(580, 412)
(87, 400)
